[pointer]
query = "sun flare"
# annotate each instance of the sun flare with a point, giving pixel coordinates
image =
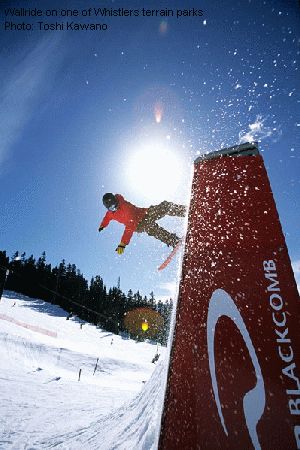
(154, 170)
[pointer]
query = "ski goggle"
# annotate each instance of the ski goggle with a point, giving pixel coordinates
(112, 208)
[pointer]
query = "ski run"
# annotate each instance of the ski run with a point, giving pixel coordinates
(66, 384)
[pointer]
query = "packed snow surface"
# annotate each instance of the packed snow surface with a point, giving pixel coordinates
(116, 405)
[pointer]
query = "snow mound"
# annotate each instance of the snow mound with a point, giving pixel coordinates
(135, 425)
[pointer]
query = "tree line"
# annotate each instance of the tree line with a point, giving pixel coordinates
(65, 285)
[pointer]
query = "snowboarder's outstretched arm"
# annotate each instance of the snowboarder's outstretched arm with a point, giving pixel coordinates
(126, 237)
(105, 221)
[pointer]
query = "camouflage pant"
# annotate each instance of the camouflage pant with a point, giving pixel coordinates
(148, 224)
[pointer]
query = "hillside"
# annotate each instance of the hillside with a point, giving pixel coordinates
(43, 403)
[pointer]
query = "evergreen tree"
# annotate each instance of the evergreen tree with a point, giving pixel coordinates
(44, 276)
(152, 300)
(4, 264)
(13, 280)
(66, 286)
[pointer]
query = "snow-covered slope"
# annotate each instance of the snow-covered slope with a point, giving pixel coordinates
(43, 403)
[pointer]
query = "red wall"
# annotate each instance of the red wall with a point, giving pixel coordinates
(238, 319)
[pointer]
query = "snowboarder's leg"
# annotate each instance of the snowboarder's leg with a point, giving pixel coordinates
(156, 212)
(153, 229)
(172, 209)
(165, 208)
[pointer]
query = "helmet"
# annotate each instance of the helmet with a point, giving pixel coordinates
(110, 201)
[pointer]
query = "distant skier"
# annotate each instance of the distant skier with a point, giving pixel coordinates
(140, 220)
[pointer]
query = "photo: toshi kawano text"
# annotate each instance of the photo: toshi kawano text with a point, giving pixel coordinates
(71, 26)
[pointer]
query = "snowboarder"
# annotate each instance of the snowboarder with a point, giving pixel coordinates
(140, 220)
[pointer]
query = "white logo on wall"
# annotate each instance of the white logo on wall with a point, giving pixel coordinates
(221, 304)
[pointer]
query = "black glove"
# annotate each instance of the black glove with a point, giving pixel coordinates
(100, 229)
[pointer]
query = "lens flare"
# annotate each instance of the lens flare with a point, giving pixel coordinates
(158, 111)
(163, 27)
(145, 325)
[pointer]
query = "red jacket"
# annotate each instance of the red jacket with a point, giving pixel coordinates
(128, 214)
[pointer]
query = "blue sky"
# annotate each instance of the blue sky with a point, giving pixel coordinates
(77, 107)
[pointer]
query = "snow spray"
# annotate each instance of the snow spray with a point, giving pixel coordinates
(234, 375)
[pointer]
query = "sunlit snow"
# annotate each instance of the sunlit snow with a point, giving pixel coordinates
(116, 404)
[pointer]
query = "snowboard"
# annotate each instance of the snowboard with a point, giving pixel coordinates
(171, 256)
